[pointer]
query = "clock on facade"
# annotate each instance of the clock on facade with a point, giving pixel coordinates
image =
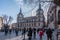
(41, 11)
(20, 15)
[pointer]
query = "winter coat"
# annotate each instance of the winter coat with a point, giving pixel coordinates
(30, 33)
(49, 32)
(41, 33)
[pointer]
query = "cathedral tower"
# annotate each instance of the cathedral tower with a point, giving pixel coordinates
(40, 16)
(20, 16)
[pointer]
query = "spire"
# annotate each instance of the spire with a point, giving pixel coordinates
(39, 5)
(20, 10)
(20, 13)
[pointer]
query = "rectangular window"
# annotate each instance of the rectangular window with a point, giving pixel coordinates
(38, 24)
(52, 18)
(34, 24)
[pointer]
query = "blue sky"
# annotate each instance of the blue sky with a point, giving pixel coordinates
(12, 8)
(9, 7)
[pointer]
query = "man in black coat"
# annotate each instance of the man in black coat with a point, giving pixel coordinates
(23, 33)
(30, 34)
(49, 34)
(34, 32)
(16, 31)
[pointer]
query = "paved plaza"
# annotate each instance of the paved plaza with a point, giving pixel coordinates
(12, 36)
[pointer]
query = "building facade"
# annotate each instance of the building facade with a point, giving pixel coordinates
(53, 16)
(33, 21)
(1, 22)
(58, 16)
(13, 25)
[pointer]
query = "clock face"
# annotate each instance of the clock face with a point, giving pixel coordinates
(20, 15)
(41, 11)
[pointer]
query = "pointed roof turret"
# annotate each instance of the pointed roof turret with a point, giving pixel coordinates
(39, 5)
(39, 10)
(20, 11)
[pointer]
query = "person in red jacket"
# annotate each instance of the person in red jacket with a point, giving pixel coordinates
(41, 33)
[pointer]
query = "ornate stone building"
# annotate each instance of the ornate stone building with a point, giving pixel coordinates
(1, 22)
(33, 21)
(13, 25)
(53, 16)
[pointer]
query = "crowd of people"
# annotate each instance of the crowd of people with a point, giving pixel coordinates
(40, 32)
(31, 32)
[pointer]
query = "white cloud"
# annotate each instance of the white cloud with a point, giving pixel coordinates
(19, 2)
(25, 8)
(28, 9)
(34, 13)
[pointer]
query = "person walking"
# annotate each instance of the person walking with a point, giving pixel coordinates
(30, 34)
(16, 31)
(49, 34)
(38, 30)
(34, 32)
(10, 30)
(41, 33)
(6, 29)
(23, 33)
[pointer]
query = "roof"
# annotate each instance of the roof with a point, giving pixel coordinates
(32, 17)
